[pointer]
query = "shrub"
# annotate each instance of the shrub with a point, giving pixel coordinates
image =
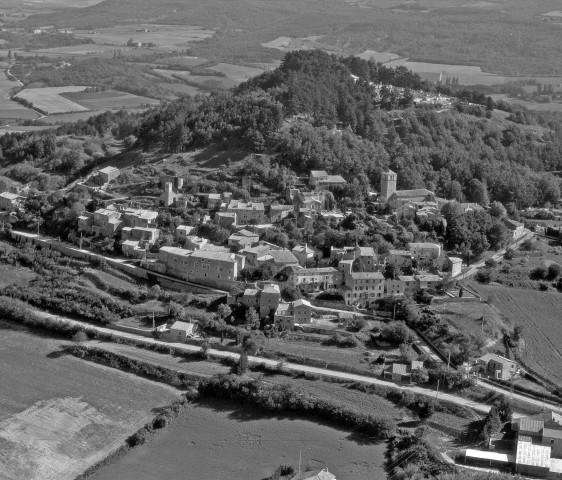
(554, 271)
(539, 273)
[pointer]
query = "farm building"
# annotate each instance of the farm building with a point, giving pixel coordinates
(10, 201)
(401, 372)
(498, 367)
(315, 475)
(180, 331)
(107, 174)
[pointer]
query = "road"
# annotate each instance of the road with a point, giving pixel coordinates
(497, 256)
(293, 367)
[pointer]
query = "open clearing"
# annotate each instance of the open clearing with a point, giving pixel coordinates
(540, 314)
(86, 49)
(467, 317)
(218, 441)
(109, 99)
(236, 73)
(539, 107)
(60, 415)
(49, 99)
(161, 35)
(10, 110)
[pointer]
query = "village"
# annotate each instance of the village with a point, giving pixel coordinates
(304, 288)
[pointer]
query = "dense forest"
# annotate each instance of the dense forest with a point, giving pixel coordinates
(310, 113)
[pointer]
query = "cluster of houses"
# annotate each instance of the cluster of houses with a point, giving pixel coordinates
(537, 451)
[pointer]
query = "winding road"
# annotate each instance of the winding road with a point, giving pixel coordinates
(480, 407)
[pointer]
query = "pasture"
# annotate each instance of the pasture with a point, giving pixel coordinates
(245, 445)
(59, 414)
(86, 49)
(539, 107)
(474, 318)
(50, 100)
(10, 110)
(109, 99)
(163, 36)
(236, 73)
(539, 313)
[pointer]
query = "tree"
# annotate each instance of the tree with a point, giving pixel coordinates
(80, 337)
(242, 366)
(497, 210)
(426, 409)
(223, 311)
(492, 424)
(252, 318)
(478, 192)
(420, 375)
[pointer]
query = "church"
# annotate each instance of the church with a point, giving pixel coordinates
(396, 199)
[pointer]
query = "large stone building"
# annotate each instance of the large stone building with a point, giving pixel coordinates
(246, 212)
(397, 198)
(206, 267)
(289, 314)
(320, 180)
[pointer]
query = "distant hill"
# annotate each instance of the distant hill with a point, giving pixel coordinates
(501, 37)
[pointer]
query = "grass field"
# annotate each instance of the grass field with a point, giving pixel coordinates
(161, 35)
(10, 110)
(109, 99)
(354, 357)
(218, 441)
(50, 100)
(59, 414)
(539, 313)
(10, 276)
(466, 317)
(236, 73)
(539, 107)
(86, 49)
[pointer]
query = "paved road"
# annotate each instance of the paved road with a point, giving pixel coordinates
(459, 400)
(497, 256)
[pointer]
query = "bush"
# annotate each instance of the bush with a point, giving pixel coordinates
(554, 271)
(539, 273)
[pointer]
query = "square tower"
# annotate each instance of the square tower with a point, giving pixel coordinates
(388, 184)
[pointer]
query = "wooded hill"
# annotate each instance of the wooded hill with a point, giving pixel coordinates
(310, 113)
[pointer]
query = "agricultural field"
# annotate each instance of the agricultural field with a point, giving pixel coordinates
(85, 49)
(353, 357)
(9, 110)
(10, 276)
(245, 445)
(163, 36)
(536, 106)
(236, 73)
(109, 100)
(50, 100)
(467, 317)
(539, 313)
(59, 414)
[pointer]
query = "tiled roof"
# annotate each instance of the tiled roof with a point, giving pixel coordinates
(496, 358)
(532, 454)
(421, 192)
(312, 271)
(283, 256)
(367, 276)
(213, 255)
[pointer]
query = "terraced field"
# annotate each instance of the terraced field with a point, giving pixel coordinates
(540, 315)
(60, 415)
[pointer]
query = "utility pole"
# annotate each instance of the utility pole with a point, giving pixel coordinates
(449, 360)
(300, 460)
(437, 391)
(80, 241)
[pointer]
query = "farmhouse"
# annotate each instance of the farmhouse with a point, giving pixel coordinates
(289, 314)
(247, 212)
(517, 229)
(324, 278)
(181, 331)
(106, 175)
(401, 372)
(539, 445)
(497, 367)
(315, 475)
(10, 201)
(320, 180)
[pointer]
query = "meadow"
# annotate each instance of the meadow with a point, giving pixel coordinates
(50, 100)
(244, 445)
(539, 313)
(109, 99)
(60, 415)
(10, 110)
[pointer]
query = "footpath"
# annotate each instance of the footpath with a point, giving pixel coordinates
(480, 407)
